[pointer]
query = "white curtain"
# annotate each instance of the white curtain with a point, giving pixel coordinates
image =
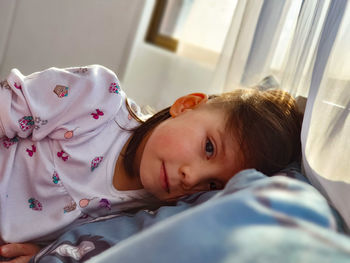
(303, 47)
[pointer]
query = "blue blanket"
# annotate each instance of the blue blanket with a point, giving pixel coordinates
(254, 219)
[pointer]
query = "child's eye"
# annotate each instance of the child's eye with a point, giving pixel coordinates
(209, 148)
(213, 186)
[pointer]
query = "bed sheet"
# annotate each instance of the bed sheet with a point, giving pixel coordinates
(254, 219)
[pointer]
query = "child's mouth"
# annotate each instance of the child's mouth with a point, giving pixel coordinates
(164, 179)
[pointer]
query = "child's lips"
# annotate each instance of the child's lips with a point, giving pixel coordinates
(164, 178)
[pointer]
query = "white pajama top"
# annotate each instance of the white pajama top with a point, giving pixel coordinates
(61, 132)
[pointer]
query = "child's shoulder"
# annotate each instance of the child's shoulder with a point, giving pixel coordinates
(85, 70)
(94, 70)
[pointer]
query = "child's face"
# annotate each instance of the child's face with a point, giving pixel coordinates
(188, 154)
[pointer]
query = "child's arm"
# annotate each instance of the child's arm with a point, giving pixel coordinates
(18, 253)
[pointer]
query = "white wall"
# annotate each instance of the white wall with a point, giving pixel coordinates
(37, 34)
(157, 77)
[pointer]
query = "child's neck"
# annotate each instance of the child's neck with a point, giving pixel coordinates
(121, 180)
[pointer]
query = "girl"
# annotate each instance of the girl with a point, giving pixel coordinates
(72, 147)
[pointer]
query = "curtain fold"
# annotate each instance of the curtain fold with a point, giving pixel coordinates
(226, 57)
(298, 67)
(326, 125)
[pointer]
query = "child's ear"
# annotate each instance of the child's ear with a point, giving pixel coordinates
(189, 101)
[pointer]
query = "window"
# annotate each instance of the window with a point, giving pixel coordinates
(195, 29)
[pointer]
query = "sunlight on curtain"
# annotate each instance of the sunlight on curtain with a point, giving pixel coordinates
(340, 63)
(285, 38)
(295, 74)
(271, 38)
(257, 44)
(230, 66)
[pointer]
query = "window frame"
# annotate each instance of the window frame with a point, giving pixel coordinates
(153, 35)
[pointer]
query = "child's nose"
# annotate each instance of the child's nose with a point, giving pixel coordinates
(191, 176)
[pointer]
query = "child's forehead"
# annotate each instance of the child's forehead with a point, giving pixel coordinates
(217, 118)
(212, 109)
(229, 120)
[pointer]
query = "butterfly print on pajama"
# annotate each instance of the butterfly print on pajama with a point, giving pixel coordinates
(63, 155)
(31, 151)
(97, 114)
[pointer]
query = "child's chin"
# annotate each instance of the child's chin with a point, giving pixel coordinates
(169, 199)
(161, 197)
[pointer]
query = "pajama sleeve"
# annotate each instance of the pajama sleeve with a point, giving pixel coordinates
(56, 102)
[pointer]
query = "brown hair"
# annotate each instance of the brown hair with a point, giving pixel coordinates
(266, 124)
